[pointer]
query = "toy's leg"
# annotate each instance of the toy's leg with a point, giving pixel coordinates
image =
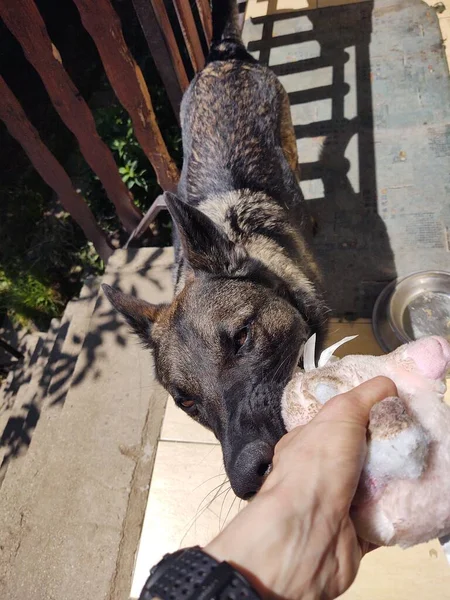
(398, 445)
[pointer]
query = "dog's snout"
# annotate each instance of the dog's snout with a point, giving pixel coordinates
(249, 469)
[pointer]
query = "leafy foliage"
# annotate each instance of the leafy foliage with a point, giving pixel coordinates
(28, 297)
(115, 128)
(43, 254)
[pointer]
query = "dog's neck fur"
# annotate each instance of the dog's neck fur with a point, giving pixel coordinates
(246, 218)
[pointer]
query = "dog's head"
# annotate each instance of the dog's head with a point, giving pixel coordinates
(227, 344)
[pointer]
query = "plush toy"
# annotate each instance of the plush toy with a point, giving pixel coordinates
(404, 492)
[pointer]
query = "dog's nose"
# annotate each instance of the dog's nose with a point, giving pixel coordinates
(252, 464)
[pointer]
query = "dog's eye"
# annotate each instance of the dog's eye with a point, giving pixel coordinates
(240, 338)
(187, 403)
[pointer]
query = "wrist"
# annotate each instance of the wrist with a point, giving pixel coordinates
(262, 543)
(284, 550)
(192, 573)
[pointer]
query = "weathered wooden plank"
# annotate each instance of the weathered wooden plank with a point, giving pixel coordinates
(190, 33)
(163, 47)
(25, 22)
(15, 119)
(205, 15)
(102, 23)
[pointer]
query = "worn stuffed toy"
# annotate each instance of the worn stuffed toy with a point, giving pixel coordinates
(404, 492)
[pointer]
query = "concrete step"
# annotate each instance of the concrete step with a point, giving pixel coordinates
(64, 364)
(14, 387)
(20, 377)
(20, 373)
(38, 403)
(19, 419)
(15, 335)
(80, 497)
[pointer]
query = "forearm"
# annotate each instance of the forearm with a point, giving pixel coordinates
(286, 553)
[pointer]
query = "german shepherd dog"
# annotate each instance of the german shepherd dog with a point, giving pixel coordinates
(247, 288)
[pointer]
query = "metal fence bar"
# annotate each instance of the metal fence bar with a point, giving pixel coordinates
(190, 33)
(204, 10)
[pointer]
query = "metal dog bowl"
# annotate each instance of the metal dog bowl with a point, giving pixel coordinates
(411, 308)
(420, 306)
(384, 334)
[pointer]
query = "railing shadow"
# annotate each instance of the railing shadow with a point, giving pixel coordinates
(322, 58)
(78, 352)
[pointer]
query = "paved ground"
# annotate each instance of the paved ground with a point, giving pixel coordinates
(71, 510)
(370, 102)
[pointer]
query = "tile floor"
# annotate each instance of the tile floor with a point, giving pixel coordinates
(258, 8)
(189, 502)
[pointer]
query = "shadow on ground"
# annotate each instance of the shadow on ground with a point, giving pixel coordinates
(322, 58)
(75, 354)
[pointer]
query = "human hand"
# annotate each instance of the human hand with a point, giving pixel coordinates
(296, 539)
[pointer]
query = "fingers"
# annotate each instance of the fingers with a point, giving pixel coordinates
(366, 547)
(351, 408)
(355, 405)
(333, 443)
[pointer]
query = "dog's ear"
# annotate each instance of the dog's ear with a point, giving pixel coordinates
(140, 315)
(315, 313)
(205, 246)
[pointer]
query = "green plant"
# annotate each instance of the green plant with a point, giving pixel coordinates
(115, 127)
(24, 297)
(133, 176)
(43, 256)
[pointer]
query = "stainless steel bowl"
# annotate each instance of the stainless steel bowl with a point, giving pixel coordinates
(420, 306)
(384, 334)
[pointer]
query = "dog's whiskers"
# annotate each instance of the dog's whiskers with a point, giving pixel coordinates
(209, 479)
(228, 513)
(221, 508)
(218, 488)
(201, 509)
(282, 362)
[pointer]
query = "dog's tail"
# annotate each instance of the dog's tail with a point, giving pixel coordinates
(226, 41)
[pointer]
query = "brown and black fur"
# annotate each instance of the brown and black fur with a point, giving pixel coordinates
(247, 288)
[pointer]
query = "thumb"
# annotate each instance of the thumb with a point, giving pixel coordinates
(355, 405)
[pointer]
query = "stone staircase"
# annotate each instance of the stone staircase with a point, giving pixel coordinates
(38, 386)
(79, 423)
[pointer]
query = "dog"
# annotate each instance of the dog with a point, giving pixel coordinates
(248, 291)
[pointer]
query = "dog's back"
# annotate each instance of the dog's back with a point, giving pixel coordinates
(232, 133)
(236, 121)
(239, 147)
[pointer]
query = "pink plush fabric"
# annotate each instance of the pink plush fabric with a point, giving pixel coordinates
(404, 493)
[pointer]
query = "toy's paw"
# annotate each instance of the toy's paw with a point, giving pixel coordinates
(388, 418)
(398, 445)
(431, 355)
(299, 407)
